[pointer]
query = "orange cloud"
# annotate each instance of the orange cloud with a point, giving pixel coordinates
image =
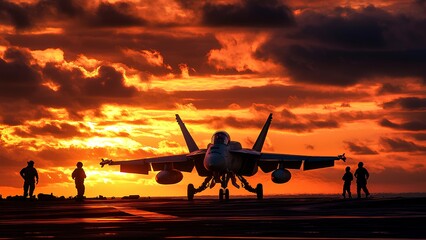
(237, 52)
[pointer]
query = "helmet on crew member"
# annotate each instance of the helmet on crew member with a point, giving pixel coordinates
(360, 164)
(30, 163)
(79, 164)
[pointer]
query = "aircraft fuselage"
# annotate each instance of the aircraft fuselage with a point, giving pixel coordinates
(219, 159)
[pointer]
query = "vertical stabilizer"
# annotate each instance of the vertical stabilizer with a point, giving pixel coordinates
(262, 136)
(192, 146)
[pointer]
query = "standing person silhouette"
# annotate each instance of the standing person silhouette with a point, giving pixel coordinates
(361, 175)
(79, 175)
(347, 177)
(30, 176)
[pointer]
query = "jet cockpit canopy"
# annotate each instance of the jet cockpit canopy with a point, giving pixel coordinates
(221, 137)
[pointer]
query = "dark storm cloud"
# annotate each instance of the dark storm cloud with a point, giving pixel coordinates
(70, 8)
(304, 125)
(414, 125)
(77, 91)
(24, 96)
(16, 112)
(286, 114)
(18, 77)
(26, 15)
(190, 49)
(408, 103)
(389, 88)
(360, 149)
(17, 55)
(248, 13)
(421, 3)
(15, 14)
(350, 45)
(353, 116)
(108, 83)
(342, 67)
(400, 145)
(190, 4)
(57, 130)
(346, 27)
(286, 120)
(419, 136)
(273, 95)
(116, 15)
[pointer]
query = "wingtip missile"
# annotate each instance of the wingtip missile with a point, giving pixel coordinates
(342, 157)
(105, 161)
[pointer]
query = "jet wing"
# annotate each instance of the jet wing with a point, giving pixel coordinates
(269, 161)
(142, 166)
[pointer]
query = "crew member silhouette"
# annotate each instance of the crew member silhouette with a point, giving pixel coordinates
(361, 175)
(79, 175)
(30, 176)
(347, 177)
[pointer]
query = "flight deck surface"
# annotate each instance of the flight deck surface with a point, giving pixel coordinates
(239, 218)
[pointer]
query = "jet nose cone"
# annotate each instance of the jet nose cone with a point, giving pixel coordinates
(215, 163)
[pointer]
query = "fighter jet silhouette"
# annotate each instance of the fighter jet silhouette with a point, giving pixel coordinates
(222, 161)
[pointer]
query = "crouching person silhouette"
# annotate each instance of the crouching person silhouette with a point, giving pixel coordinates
(79, 175)
(30, 176)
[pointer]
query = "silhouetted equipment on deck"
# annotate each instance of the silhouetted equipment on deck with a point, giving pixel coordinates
(131, 197)
(42, 196)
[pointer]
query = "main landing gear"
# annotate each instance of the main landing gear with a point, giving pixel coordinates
(224, 191)
(192, 190)
(258, 190)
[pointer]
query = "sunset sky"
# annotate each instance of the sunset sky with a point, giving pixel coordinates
(82, 80)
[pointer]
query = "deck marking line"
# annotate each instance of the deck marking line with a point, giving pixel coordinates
(145, 214)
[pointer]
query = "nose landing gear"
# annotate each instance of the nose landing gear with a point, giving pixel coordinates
(191, 192)
(224, 194)
(224, 191)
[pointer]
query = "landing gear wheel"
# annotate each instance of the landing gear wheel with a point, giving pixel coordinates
(191, 192)
(259, 191)
(221, 193)
(226, 194)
